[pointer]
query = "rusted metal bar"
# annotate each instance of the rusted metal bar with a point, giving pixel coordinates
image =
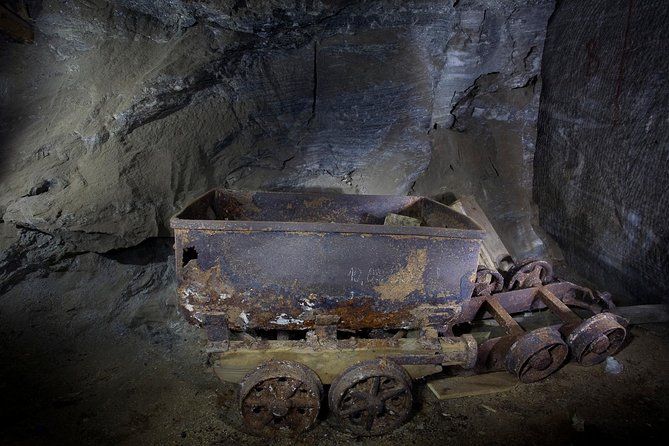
(527, 299)
(503, 317)
(299, 290)
(558, 307)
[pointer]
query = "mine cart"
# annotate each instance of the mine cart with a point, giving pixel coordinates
(300, 290)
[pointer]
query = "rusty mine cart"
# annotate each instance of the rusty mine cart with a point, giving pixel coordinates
(298, 290)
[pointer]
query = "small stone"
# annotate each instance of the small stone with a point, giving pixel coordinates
(578, 423)
(613, 366)
(401, 220)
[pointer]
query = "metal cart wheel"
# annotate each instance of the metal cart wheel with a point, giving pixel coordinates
(530, 274)
(372, 397)
(536, 354)
(596, 338)
(488, 281)
(280, 397)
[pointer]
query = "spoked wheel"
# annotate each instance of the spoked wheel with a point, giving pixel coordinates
(488, 281)
(536, 354)
(280, 397)
(596, 338)
(531, 274)
(372, 397)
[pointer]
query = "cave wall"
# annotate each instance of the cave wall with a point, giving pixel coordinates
(602, 158)
(124, 110)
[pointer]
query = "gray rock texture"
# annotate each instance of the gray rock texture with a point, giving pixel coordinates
(602, 158)
(122, 111)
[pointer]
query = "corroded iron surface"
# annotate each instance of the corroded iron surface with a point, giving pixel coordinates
(372, 397)
(280, 397)
(488, 281)
(279, 260)
(536, 354)
(596, 338)
(532, 273)
(529, 299)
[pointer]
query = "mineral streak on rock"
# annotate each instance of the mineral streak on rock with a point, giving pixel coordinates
(603, 145)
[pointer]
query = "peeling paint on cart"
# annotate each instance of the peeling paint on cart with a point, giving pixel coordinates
(301, 255)
(283, 319)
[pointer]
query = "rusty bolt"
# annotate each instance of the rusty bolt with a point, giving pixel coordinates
(541, 360)
(600, 345)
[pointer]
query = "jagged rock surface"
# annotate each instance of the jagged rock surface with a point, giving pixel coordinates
(603, 145)
(124, 110)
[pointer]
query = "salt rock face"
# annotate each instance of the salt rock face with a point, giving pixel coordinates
(123, 111)
(603, 145)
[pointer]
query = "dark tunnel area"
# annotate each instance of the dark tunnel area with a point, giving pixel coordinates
(367, 125)
(188, 254)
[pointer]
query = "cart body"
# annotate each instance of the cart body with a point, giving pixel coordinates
(281, 261)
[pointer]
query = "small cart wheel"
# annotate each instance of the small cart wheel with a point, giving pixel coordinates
(596, 338)
(280, 397)
(531, 274)
(372, 397)
(488, 281)
(536, 354)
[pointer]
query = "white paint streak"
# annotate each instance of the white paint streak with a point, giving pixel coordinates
(283, 319)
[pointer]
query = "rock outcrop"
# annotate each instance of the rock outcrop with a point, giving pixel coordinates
(124, 110)
(603, 147)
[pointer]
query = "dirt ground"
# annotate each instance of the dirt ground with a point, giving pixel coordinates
(94, 352)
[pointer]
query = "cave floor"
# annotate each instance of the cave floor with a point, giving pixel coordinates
(96, 353)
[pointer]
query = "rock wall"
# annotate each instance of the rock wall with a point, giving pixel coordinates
(602, 156)
(124, 110)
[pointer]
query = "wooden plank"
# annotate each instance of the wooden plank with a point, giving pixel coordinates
(482, 384)
(462, 386)
(329, 361)
(493, 251)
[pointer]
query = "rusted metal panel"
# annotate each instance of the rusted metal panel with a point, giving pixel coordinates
(279, 260)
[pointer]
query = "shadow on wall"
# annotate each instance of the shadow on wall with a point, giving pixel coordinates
(603, 144)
